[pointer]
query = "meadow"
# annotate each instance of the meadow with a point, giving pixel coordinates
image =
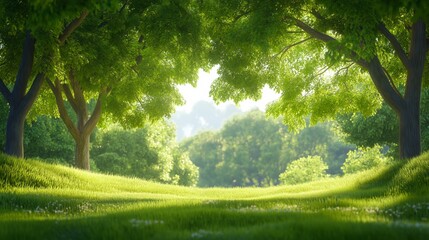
(45, 201)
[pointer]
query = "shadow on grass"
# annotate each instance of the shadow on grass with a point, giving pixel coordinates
(208, 221)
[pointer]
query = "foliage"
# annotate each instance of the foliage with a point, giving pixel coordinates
(80, 204)
(363, 159)
(367, 131)
(324, 57)
(155, 52)
(205, 151)
(319, 140)
(382, 128)
(149, 153)
(184, 172)
(47, 138)
(303, 170)
(251, 150)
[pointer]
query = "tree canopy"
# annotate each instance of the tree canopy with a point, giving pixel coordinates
(127, 55)
(132, 77)
(325, 57)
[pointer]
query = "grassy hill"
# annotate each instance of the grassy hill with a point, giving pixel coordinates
(43, 201)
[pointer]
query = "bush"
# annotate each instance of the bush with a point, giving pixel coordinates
(305, 169)
(364, 158)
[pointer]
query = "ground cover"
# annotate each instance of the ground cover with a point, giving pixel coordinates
(43, 201)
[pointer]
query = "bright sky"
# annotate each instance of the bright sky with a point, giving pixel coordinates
(201, 92)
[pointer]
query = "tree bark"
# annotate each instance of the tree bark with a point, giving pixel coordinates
(82, 129)
(82, 141)
(409, 132)
(14, 145)
(82, 152)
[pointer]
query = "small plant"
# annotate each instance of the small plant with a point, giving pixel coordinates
(305, 169)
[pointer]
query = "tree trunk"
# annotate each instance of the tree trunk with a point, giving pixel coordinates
(14, 145)
(409, 132)
(82, 141)
(409, 117)
(82, 152)
(81, 131)
(20, 100)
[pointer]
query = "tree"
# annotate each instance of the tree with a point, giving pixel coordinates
(251, 150)
(382, 128)
(363, 159)
(205, 151)
(27, 25)
(325, 57)
(150, 153)
(303, 170)
(132, 77)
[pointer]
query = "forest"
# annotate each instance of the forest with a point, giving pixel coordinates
(91, 138)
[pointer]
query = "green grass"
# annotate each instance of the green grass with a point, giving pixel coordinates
(43, 201)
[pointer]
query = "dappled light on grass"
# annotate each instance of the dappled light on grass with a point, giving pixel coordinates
(76, 204)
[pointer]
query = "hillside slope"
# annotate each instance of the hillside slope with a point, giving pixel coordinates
(43, 201)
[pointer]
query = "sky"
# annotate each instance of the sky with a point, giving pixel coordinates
(201, 92)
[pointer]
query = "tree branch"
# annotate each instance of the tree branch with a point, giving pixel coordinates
(418, 49)
(79, 98)
(6, 92)
(326, 38)
(105, 22)
(312, 32)
(286, 48)
(346, 68)
(32, 94)
(391, 81)
(123, 6)
(72, 26)
(56, 89)
(317, 15)
(374, 67)
(25, 68)
(321, 72)
(242, 14)
(69, 96)
(396, 45)
(384, 86)
(96, 113)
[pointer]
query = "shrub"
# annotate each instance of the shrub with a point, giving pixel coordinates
(364, 158)
(305, 169)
